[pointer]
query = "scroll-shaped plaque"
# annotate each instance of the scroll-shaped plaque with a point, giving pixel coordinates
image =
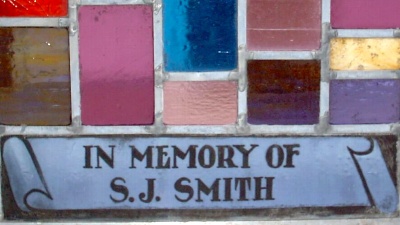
(197, 173)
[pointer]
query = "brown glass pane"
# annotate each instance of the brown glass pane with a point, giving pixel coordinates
(35, 83)
(283, 92)
(6, 39)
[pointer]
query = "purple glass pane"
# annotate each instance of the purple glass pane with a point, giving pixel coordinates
(364, 101)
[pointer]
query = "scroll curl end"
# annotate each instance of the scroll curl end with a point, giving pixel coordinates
(363, 152)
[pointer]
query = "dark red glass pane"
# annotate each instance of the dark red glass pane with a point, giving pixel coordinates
(283, 92)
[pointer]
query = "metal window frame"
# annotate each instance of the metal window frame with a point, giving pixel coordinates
(242, 128)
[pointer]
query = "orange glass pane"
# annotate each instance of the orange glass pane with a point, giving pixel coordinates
(33, 8)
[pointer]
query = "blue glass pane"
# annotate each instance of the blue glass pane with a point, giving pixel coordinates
(200, 35)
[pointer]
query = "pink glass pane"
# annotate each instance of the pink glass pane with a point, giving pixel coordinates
(283, 25)
(116, 56)
(200, 103)
(370, 14)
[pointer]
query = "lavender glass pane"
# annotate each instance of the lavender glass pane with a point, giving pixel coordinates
(200, 35)
(364, 101)
(283, 92)
(370, 14)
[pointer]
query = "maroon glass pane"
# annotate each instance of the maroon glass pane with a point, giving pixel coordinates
(283, 92)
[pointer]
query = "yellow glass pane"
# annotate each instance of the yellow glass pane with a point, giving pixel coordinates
(365, 54)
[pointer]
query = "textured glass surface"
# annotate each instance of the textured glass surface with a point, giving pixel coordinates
(367, 14)
(116, 56)
(6, 54)
(34, 78)
(364, 101)
(34, 8)
(200, 35)
(283, 24)
(283, 92)
(200, 103)
(365, 54)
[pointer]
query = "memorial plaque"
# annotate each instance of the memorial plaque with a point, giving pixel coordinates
(81, 173)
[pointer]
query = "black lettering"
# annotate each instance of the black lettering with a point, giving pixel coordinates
(279, 155)
(228, 187)
(148, 154)
(225, 158)
(182, 188)
(150, 192)
(88, 156)
(161, 154)
(241, 182)
(245, 153)
(211, 156)
(119, 188)
(268, 187)
(290, 152)
(191, 152)
(103, 155)
(203, 188)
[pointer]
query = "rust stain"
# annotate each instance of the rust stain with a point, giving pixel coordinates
(6, 54)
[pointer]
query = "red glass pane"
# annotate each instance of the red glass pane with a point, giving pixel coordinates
(33, 8)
